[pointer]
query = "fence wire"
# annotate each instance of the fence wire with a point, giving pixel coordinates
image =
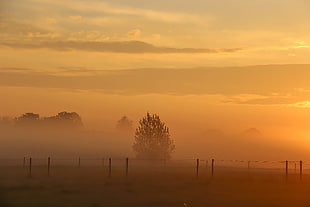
(158, 163)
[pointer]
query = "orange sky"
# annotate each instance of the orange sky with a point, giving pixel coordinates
(200, 65)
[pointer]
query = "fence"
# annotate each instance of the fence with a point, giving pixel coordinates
(196, 166)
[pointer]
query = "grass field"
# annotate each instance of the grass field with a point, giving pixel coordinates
(90, 186)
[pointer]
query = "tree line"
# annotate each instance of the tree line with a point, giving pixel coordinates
(62, 119)
(151, 138)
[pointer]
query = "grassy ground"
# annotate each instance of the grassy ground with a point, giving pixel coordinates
(170, 187)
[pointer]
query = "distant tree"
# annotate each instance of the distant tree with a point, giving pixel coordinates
(69, 119)
(63, 120)
(124, 124)
(27, 119)
(29, 116)
(152, 139)
(252, 132)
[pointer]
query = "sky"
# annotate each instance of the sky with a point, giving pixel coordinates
(201, 65)
(130, 34)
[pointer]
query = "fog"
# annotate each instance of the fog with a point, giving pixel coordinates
(225, 113)
(219, 143)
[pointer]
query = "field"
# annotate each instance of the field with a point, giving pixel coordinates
(151, 186)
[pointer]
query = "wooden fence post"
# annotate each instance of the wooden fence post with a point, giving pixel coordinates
(30, 165)
(197, 167)
(127, 166)
(286, 170)
(212, 169)
(110, 167)
(249, 166)
(48, 166)
(300, 169)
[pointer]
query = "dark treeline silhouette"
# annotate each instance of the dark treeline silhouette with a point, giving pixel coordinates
(61, 120)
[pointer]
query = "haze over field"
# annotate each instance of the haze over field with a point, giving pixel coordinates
(229, 78)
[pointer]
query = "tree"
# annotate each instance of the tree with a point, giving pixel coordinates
(152, 139)
(124, 124)
(27, 119)
(64, 120)
(29, 116)
(72, 119)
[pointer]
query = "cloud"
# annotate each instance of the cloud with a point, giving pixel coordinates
(99, 7)
(15, 70)
(18, 28)
(156, 36)
(24, 35)
(295, 47)
(253, 85)
(245, 98)
(302, 104)
(12, 31)
(267, 99)
(44, 35)
(88, 36)
(114, 47)
(75, 17)
(134, 33)
(51, 20)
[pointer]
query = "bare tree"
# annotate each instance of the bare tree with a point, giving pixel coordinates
(152, 139)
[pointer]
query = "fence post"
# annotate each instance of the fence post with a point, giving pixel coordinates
(300, 169)
(197, 167)
(110, 167)
(24, 163)
(48, 166)
(212, 169)
(286, 170)
(127, 166)
(30, 165)
(79, 161)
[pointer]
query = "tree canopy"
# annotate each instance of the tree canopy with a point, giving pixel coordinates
(61, 120)
(152, 139)
(124, 124)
